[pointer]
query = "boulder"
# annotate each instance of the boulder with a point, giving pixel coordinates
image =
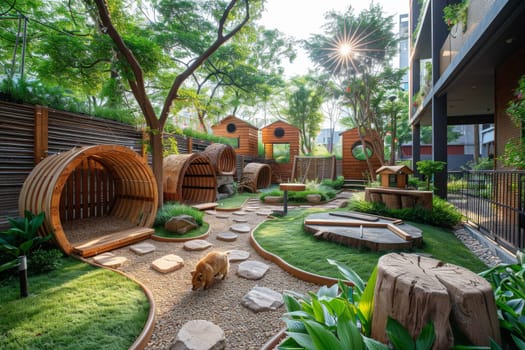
(262, 299)
(181, 224)
(313, 198)
(252, 270)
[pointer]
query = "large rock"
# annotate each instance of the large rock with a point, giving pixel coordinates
(262, 299)
(313, 198)
(181, 224)
(199, 335)
(252, 270)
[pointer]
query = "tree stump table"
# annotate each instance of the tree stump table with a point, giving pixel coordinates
(414, 290)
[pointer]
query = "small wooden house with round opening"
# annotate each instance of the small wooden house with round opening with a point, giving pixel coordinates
(354, 162)
(245, 133)
(394, 175)
(281, 143)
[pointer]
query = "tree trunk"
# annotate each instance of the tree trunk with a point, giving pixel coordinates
(414, 290)
(157, 163)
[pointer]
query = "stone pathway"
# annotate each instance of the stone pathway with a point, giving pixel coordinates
(235, 313)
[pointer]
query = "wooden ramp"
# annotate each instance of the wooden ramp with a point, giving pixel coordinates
(205, 206)
(112, 241)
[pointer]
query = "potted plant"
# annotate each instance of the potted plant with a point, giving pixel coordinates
(456, 13)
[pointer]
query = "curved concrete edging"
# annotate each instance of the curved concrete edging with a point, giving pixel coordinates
(298, 273)
(181, 240)
(144, 336)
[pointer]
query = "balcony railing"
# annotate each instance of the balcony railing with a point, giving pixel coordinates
(494, 201)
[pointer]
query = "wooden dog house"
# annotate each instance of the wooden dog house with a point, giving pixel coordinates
(95, 198)
(394, 175)
(354, 163)
(281, 133)
(245, 133)
(222, 157)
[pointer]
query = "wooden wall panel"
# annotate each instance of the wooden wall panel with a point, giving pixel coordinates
(355, 169)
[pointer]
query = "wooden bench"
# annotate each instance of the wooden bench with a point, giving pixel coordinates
(112, 241)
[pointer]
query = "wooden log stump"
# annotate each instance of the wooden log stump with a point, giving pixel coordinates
(414, 289)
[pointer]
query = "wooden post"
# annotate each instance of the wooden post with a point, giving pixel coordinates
(40, 133)
(414, 290)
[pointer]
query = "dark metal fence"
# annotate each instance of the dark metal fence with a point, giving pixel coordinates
(494, 201)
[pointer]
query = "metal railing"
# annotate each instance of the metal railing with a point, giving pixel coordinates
(493, 201)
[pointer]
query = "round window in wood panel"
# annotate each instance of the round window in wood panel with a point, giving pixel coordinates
(278, 132)
(358, 151)
(231, 128)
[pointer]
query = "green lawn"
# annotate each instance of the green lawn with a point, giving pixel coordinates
(236, 201)
(286, 238)
(76, 307)
(162, 232)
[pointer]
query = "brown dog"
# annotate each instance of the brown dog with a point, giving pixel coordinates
(209, 267)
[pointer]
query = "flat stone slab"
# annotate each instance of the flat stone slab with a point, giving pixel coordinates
(262, 299)
(211, 212)
(199, 335)
(239, 213)
(142, 248)
(197, 244)
(265, 212)
(240, 220)
(251, 209)
(168, 263)
(238, 255)
(222, 216)
(241, 228)
(227, 236)
(110, 260)
(252, 270)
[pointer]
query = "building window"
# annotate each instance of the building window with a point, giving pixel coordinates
(278, 132)
(358, 151)
(231, 128)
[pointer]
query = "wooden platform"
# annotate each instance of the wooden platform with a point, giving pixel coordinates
(112, 241)
(205, 206)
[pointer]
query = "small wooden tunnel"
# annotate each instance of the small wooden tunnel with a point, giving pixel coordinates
(255, 176)
(189, 178)
(95, 198)
(222, 157)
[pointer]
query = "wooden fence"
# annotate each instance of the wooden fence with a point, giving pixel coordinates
(30, 133)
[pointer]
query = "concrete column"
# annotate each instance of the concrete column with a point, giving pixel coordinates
(439, 141)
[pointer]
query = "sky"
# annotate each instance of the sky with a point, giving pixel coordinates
(300, 18)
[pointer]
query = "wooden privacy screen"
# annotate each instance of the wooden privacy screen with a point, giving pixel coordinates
(222, 157)
(104, 190)
(189, 178)
(313, 168)
(256, 175)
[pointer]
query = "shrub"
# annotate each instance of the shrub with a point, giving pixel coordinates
(44, 260)
(336, 184)
(170, 210)
(443, 214)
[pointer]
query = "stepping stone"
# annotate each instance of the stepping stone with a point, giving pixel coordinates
(109, 260)
(142, 248)
(262, 299)
(199, 335)
(211, 212)
(305, 206)
(237, 255)
(227, 236)
(252, 208)
(196, 244)
(252, 270)
(239, 213)
(222, 216)
(168, 263)
(240, 220)
(264, 212)
(241, 228)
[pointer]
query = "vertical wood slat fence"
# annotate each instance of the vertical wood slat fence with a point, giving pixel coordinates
(30, 133)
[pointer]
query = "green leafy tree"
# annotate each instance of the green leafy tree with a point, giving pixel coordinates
(429, 168)
(304, 103)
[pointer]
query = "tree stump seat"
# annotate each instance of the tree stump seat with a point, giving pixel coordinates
(415, 289)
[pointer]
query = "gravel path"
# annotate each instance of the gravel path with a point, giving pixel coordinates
(176, 304)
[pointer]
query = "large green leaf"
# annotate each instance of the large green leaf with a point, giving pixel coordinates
(399, 336)
(349, 335)
(366, 303)
(291, 303)
(302, 339)
(323, 339)
(426, 338)
(350, 275)
(372, 344)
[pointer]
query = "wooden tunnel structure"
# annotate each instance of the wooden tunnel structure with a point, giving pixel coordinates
(245, 133)
(189, 178)
(95, 198)
(255, 176)
(222, 158)
(354, 163)
(313, 168)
